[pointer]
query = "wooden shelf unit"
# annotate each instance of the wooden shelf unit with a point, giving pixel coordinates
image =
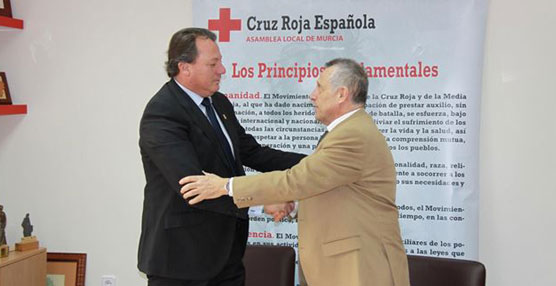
(24, 268)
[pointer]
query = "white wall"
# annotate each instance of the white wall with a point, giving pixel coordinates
(87, 69)
(518, 131)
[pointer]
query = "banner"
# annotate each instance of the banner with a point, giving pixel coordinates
(424, 63)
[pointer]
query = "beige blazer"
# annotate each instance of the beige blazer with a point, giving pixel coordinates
(349, 233)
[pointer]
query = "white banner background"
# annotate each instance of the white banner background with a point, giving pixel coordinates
(424, 60)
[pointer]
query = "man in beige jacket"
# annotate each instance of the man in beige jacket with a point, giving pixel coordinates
(348, 220)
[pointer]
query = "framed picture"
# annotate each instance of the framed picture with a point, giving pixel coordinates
(65, 269)
(4, 91)
(5, 8)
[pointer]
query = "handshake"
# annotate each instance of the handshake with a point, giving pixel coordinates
(279, 211)
(196, 189)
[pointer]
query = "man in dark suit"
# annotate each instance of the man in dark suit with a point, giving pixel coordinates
(189, 127)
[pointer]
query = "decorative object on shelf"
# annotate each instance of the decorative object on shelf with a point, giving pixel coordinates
(3, 223)
(28, 241)
(66, 267)
(27, 226)
(5, 8)
(4, 91)
(4, 249)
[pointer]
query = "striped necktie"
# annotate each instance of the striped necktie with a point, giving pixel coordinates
(219, 133)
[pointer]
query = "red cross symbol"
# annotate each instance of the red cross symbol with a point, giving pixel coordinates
(224, 25)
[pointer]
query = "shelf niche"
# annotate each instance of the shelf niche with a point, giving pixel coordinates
(15, 108)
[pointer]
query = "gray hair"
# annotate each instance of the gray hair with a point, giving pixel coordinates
(183, 47)
(350, 74)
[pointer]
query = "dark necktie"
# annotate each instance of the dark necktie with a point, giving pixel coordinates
(219, 133)
(322, 137)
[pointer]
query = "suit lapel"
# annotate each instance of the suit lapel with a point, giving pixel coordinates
(199, 119)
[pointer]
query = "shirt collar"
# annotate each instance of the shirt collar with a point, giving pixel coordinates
(339, 120)
(195, 97)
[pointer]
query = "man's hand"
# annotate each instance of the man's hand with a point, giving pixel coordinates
(200, 188)
(279, 211)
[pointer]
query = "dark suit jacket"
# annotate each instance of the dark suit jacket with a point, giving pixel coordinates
(176, 139)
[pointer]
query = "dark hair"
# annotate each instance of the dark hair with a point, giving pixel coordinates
(182, 47)
(350, 74)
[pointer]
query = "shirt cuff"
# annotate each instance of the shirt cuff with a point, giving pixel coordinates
(230, 187)
(293, 214)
